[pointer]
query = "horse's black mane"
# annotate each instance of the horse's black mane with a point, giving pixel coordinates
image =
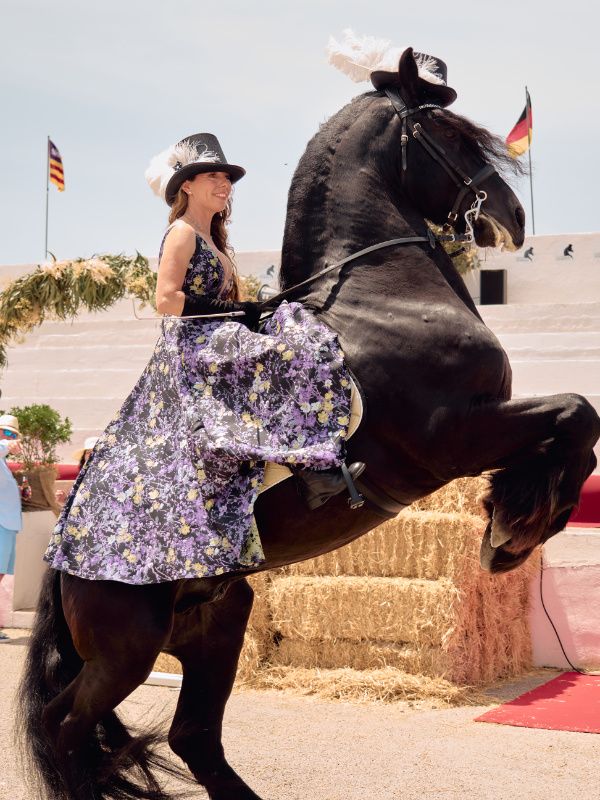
(488, 146)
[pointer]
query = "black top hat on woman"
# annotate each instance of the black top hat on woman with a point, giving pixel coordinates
(200, 152)
(367, 58)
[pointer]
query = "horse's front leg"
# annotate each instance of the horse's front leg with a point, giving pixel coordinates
(540, 451)
(208, 641)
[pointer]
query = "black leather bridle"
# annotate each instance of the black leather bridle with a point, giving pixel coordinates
(464, 183)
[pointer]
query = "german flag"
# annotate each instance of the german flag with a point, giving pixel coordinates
(519, 139)
(57, 175)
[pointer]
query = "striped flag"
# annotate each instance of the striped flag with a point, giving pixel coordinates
(55, 165)
(519, 139)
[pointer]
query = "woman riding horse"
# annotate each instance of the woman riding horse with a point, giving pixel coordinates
(437, 394)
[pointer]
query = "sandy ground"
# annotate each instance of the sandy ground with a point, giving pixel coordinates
(296, 748)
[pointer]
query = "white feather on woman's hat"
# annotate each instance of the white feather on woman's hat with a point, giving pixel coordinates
(200, 152)
(367, 58)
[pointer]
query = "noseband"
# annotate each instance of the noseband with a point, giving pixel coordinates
(464, 183)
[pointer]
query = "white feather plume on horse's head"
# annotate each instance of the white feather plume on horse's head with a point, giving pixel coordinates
(359, 57)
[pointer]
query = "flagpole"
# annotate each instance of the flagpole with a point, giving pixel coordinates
(529, 153)
(47, 194)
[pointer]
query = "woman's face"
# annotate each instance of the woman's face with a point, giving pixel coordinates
(210, 190)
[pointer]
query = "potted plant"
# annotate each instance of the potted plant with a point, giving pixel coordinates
(42, 429)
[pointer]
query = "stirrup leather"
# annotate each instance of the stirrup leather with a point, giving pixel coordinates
(356, 500)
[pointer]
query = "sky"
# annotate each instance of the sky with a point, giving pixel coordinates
(114, 83)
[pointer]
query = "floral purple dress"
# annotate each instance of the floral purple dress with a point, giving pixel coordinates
(169, 489)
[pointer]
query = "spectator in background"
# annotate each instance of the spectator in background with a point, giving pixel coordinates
(83, 454)
(10, 499)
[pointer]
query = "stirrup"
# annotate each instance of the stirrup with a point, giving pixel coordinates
(356, 500)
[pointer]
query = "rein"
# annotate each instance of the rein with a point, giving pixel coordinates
(464, 183)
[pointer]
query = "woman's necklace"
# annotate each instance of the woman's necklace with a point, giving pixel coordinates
(196, 227)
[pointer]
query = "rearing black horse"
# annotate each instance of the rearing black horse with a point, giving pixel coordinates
(437, 388)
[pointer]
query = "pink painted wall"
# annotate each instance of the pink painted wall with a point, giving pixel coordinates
(571, 591)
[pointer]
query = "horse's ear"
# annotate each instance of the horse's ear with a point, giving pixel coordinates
(406, 78)
(408, 74)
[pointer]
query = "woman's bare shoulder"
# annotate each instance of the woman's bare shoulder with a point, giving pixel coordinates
(180, 236)
(181, 231)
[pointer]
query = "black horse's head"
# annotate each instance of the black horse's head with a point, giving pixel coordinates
(441, 150)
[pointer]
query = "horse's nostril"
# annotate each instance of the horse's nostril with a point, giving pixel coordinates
(520, 215)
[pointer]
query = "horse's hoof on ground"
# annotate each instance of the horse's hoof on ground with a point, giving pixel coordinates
(226, 784)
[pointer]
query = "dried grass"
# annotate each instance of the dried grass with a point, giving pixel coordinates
(423, 544)
(462, 496)
(359, 609)
(386, 685)
(403, 613)
(472, 629)
(342, 653)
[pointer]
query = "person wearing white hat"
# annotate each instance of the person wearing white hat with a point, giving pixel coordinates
(82, 455)
(10, 499)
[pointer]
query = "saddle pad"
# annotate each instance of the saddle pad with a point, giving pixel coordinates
(275, 473)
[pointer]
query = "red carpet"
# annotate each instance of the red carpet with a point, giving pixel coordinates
(570, 702)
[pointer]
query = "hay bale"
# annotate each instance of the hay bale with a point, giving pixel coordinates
(384, 685)
(490, 639)
(471, 630)
(423, 544)
(461, 496)
(359, 609)
(343, 653)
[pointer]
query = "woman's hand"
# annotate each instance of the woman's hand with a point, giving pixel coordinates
(14, 448)
(252, 312)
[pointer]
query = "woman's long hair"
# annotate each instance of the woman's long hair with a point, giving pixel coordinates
(218, 232)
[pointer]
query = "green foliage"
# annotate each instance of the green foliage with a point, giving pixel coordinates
(466, 261)
(249, 286)
(62, 289)
(41, 429)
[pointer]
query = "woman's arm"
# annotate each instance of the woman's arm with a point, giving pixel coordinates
(178, 250)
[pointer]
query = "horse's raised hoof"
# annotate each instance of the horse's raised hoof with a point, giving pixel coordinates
(497, 559)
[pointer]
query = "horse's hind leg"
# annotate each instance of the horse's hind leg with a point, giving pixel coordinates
(208, 647)
(118, 631)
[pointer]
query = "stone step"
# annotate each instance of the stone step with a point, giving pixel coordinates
(90, 413)
(91, 382)
(97, 357)
(550, 340)
(534, 377)
(543, 317)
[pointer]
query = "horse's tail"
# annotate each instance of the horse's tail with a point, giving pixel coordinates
(113, 764)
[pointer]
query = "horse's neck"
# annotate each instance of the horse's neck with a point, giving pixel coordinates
(340, 202)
